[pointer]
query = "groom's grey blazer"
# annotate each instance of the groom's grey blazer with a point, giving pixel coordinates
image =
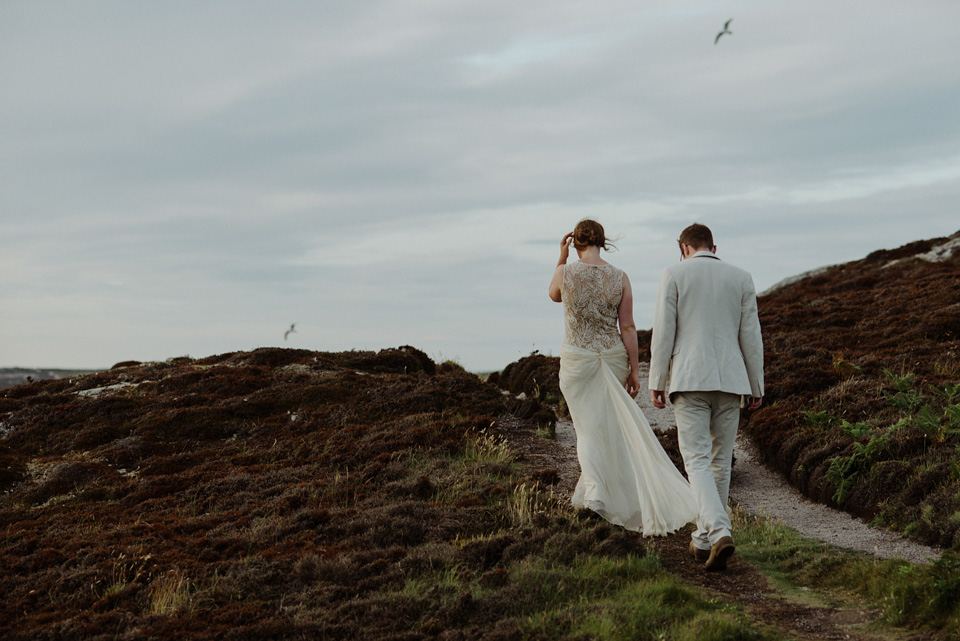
(706, 333)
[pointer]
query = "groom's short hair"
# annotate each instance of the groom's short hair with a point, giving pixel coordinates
(697, 236)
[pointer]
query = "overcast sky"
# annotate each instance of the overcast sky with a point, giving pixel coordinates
(191, 177)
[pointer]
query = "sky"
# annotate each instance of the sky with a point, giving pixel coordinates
(191, 177)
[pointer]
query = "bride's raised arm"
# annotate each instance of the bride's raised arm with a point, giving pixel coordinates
(557, 281)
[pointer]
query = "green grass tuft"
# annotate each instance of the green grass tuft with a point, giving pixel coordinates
(909, 595)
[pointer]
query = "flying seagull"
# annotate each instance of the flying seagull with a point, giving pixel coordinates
(725, 30)
(287, 333)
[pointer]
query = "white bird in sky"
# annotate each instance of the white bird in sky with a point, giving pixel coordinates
(725, 30)
(287, 333)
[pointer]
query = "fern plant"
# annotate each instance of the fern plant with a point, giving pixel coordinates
(843, 470)
(933, 426)
(905, 398)
(856, 430)
(952, 414)
(950, 392)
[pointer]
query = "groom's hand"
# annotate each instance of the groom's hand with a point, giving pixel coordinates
(755, 402)
(658, 398)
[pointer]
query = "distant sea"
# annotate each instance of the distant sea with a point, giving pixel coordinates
(17, 375)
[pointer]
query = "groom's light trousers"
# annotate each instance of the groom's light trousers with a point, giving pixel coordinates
(706, 431)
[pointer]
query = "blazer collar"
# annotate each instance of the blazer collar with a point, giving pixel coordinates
(705, 254)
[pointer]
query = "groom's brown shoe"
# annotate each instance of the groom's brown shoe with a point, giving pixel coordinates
(720, 553)
(700, 555)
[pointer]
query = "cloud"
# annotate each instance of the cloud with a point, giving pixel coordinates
(186, 177)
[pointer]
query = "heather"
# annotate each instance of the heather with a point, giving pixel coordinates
(286, 494)
(863, 388)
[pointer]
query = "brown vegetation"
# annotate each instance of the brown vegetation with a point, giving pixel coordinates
(861, 362)
(270, 494)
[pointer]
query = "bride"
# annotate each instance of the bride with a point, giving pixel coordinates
(626, 477)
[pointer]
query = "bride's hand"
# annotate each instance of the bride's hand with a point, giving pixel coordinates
(565, 248)
(633, 384)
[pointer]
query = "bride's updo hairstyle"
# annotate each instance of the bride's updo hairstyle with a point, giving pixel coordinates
(589, 233)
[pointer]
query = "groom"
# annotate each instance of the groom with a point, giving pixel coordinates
(706, 336)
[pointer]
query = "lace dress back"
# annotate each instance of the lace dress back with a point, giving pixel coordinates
(591, 299)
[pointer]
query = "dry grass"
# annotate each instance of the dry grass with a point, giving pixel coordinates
(488, 448)
(172, 594)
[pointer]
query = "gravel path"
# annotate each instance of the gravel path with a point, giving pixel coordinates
(763, 491)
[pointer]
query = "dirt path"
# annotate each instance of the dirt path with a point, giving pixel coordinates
(762, 491)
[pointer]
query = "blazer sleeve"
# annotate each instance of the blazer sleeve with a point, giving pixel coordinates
(751, 342)
(664, 331)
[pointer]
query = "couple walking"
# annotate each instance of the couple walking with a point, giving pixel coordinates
(706, 342)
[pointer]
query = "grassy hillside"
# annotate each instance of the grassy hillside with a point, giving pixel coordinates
(284, 494)
(863, 387)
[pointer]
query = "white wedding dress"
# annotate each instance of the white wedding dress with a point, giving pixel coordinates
(626, 477)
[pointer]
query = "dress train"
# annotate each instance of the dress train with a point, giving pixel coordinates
(626, 477)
